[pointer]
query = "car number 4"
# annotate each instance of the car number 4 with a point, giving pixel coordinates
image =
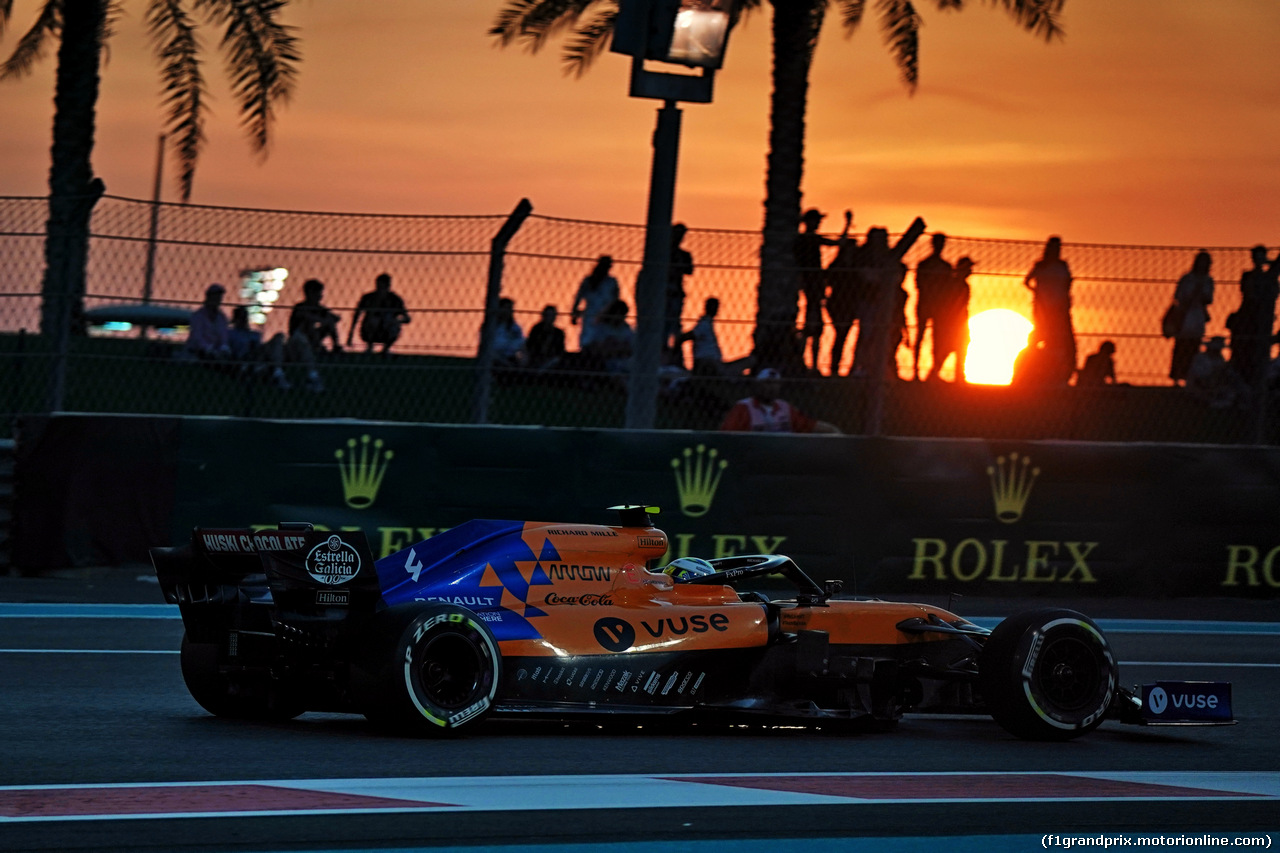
(413, 565)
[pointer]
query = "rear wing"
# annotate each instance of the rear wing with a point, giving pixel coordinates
(295, 567)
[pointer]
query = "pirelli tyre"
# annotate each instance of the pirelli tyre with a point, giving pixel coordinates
(438, 671)
(241, 696)
(1047, 674)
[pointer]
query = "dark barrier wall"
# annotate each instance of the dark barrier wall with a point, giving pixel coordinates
(893, 516)
(92, 491)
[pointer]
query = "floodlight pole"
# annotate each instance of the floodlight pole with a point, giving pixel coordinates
(651, 284)
(149, 272)
(647, 29)
(642, 390)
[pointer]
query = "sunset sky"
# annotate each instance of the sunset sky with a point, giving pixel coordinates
(1154, 122)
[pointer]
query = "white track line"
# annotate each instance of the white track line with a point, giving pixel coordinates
(538, 793)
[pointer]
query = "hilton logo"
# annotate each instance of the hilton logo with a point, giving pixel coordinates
(362, 471)
(697, 478)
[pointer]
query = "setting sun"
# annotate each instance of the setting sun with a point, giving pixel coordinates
(996, 338)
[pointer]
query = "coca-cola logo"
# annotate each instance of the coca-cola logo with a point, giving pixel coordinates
(590, 600)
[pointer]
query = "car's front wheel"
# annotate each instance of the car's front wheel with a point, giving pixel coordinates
(1048, 674)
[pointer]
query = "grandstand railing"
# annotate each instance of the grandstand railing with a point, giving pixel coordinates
(440, 266)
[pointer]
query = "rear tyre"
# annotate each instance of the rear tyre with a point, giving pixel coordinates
(1048, 674)
(223, 695)
(439, 674)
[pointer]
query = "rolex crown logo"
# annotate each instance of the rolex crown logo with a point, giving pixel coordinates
(362, 470)
(697, 478)
(1011, 482)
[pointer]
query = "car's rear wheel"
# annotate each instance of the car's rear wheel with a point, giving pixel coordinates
(438, 675)
(240, 696)
(1048, 674)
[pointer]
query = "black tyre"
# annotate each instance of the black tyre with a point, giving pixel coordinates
(1048, 674)
(438, 675)
(243, 697)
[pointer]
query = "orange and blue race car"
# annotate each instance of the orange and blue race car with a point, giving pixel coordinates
(563, 620)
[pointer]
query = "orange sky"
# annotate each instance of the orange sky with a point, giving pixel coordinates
(1155, 122)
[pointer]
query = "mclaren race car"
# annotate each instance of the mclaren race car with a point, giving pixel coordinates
(561, 620)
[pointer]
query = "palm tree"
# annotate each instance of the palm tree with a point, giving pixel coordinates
(795, 29)
(261, 60)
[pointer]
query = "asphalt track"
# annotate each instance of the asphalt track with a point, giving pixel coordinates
(102, 748)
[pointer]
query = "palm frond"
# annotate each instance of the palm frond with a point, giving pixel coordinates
(177, 47)
(589, 41)
(6, 9)
(262, 57)
(535, 22)
(851, 13)
(901, 25)
(107, 27)
(817, 14)
(1042, 17)
(507, 25)
(30, 48)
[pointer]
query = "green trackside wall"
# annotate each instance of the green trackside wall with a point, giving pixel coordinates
(895, 516)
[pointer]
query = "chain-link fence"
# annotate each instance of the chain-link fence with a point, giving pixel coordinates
(164, 256)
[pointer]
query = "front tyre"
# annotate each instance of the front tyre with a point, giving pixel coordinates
(1048, 674)
(438, 676)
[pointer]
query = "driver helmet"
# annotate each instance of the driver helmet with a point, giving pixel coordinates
(687, 568)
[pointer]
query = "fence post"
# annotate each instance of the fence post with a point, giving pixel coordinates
(1260, 397)
(19, 359)
(884, 352)
(484, 358)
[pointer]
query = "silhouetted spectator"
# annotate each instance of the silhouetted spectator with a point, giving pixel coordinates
(256, 357)
(933, 279)
(708, 360)
(1051, 312)
(1036, 366)
(846, 299)
(610, 348)
(310, 325)
(1212, 380)
(764, 411)
(950, 321)
(597, 292)
(244, 342)
(1099, 369)
(882, 327)
(507, 338)
(807, 251)
(384, 314)
(545, 346)
(310, 320)
(207, 331)
(1251, 325)
(1192, 298)
(681, 266)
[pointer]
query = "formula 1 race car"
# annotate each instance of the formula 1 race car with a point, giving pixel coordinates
(574, 619)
